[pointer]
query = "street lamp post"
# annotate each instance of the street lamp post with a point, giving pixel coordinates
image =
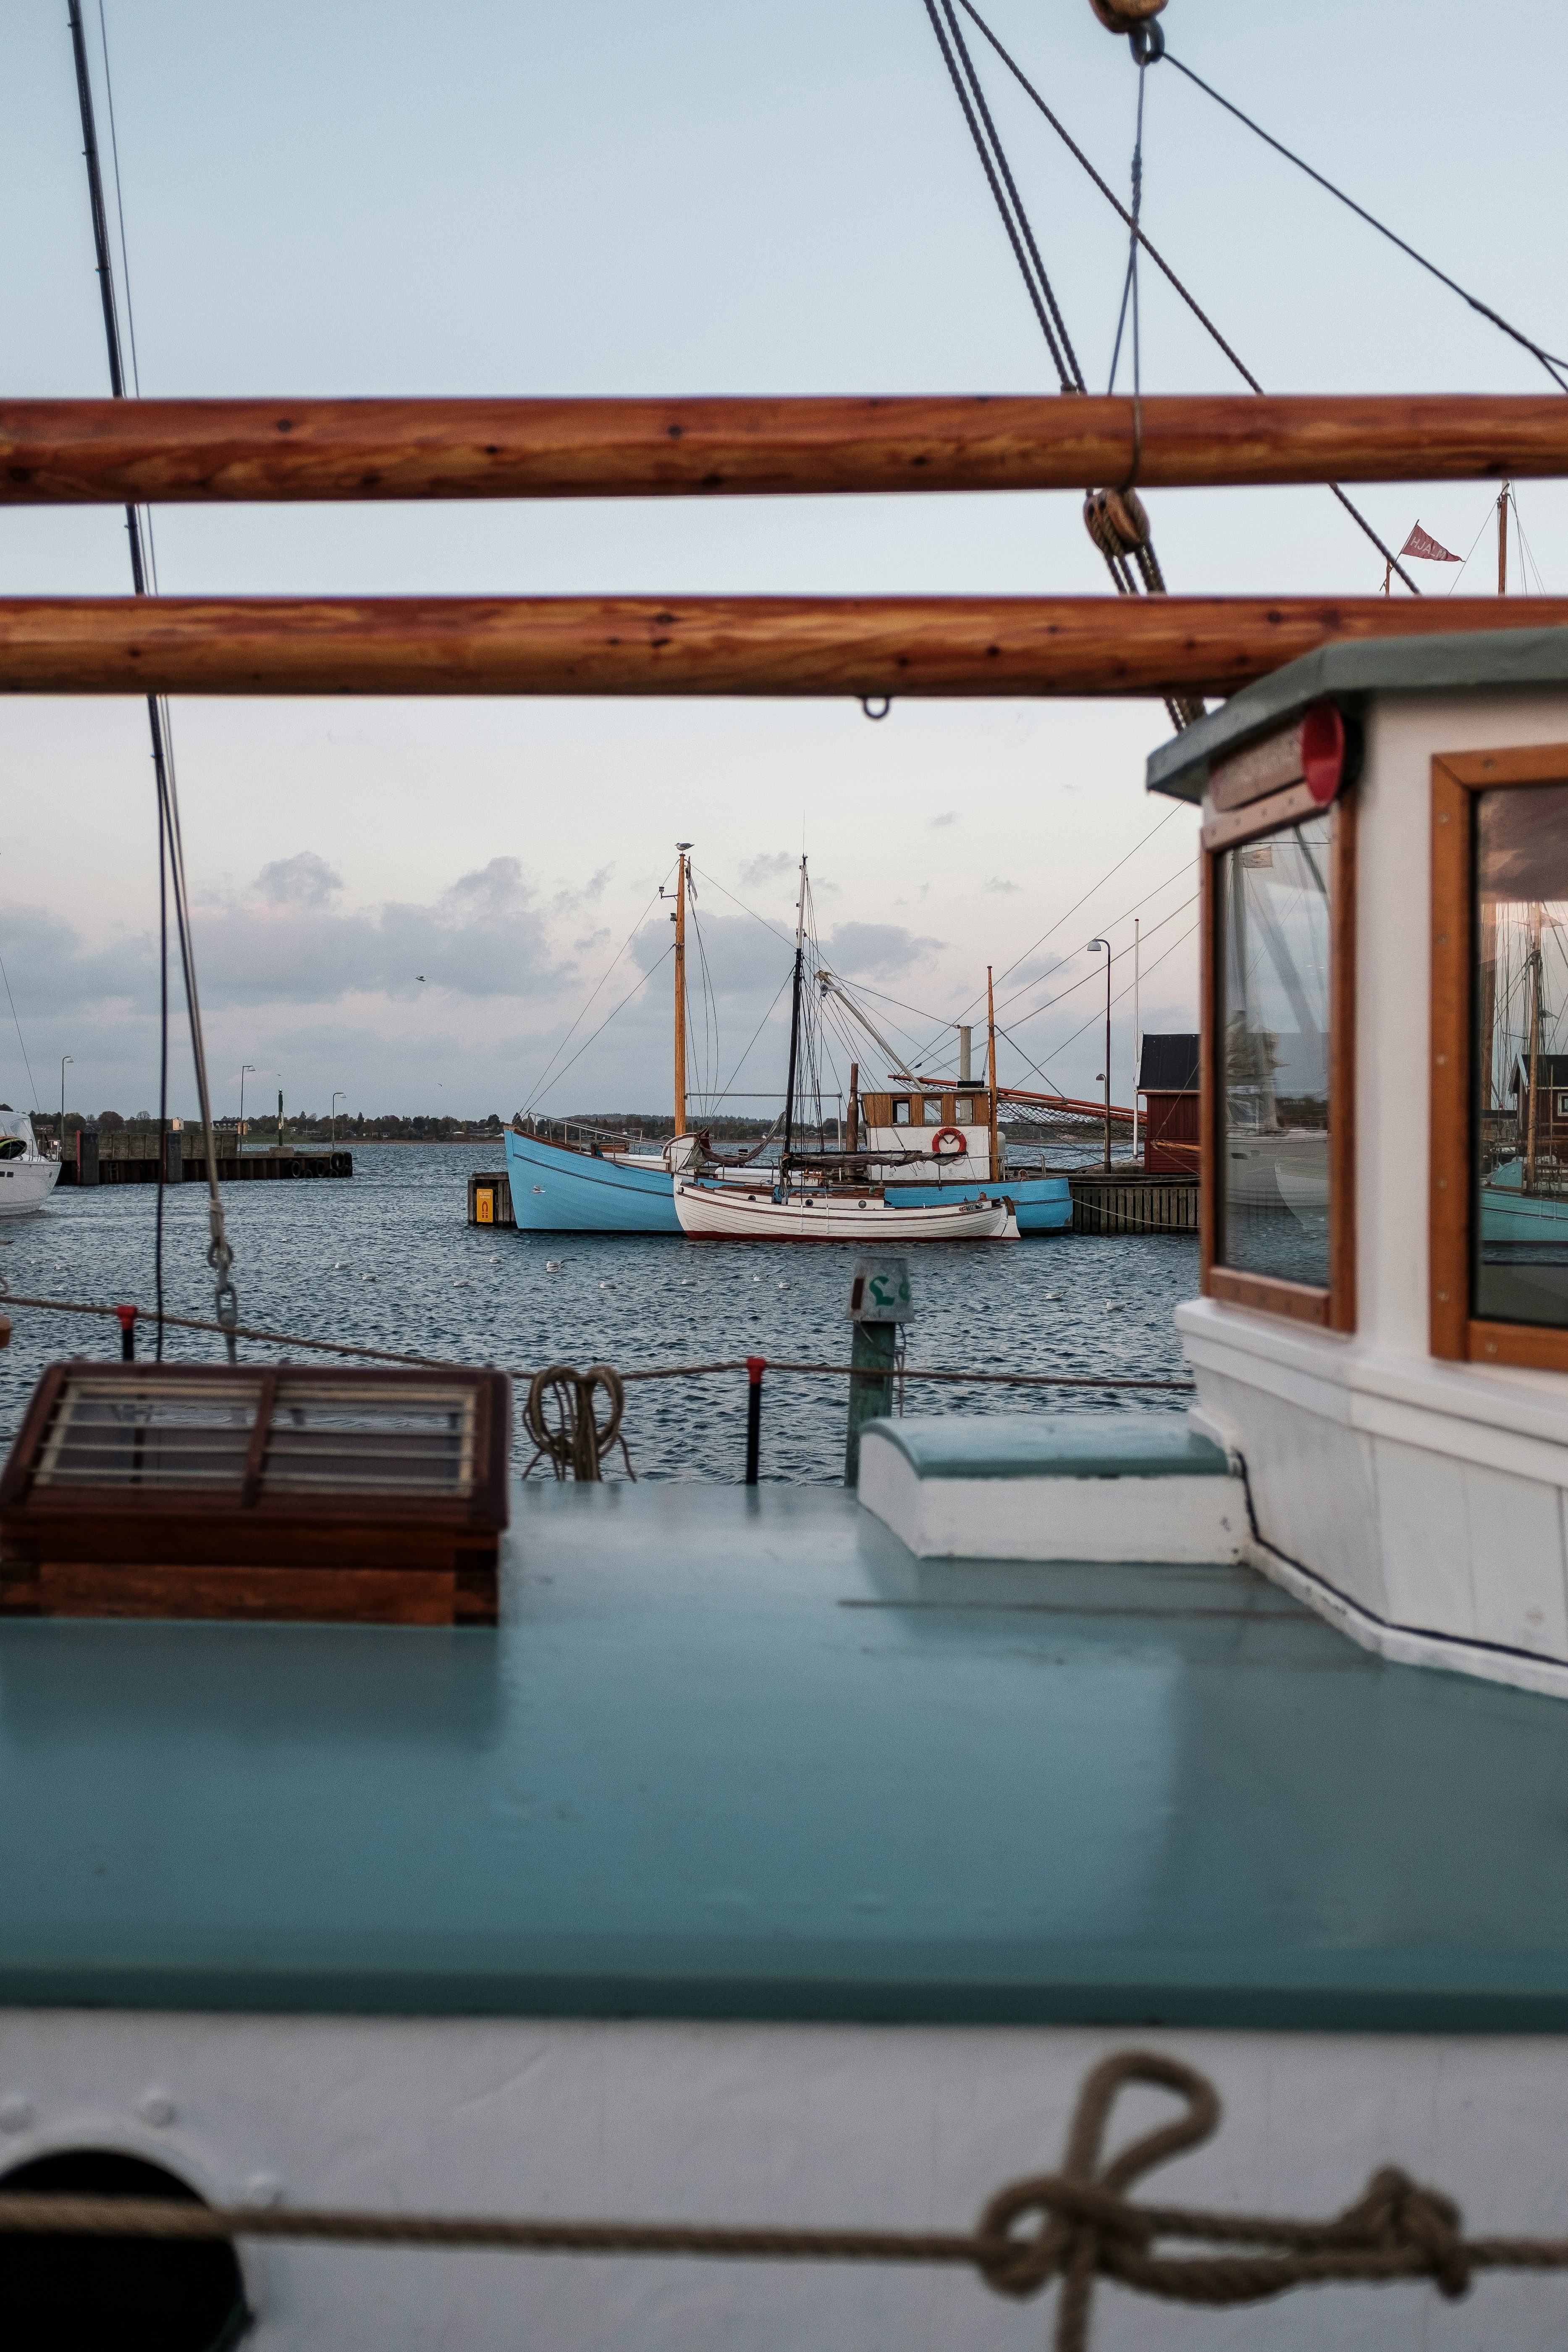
(243, 1067)
(338, 1097)
(1094, 948)
(64, 1059)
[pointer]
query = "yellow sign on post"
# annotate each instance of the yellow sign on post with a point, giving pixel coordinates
(484, 1205)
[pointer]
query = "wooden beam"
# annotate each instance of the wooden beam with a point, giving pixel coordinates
(898, 645)
(117, 452)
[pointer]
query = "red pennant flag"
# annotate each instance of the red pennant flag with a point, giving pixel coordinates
(1422, 543)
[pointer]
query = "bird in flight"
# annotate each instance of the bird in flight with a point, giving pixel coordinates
(419, 975)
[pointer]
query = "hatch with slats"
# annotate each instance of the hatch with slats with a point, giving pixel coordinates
(305, 1487)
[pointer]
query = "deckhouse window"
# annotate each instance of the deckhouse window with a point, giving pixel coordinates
(1276, 1207)
(933, 1110)
(1273, 1028)
(1500, 1042)
(964, 1110)
(901, 1110)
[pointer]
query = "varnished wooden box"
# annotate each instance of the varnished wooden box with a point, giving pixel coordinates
(278, 1491)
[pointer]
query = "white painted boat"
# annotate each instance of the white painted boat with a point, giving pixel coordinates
(708, 1213)
(26, 1176)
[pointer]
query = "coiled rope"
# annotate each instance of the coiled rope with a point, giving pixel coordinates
(1072, 2228)
(560, 1418)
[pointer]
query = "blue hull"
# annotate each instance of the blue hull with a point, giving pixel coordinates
(557, 1192)
(1043, 1204)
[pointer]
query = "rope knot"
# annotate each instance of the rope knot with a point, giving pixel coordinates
(1076, 2218)
(1402, 2217)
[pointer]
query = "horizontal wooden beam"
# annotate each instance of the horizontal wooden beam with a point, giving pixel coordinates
(118, 452)
(898, 645)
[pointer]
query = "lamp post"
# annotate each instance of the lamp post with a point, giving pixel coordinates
(1094, 948)
(339, 1096)
(243, 1067)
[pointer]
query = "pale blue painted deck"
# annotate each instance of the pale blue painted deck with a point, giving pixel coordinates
(738, 1755)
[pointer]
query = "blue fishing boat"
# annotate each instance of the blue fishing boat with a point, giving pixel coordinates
(586, 1186)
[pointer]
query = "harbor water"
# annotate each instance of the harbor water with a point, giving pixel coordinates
(387, 1260)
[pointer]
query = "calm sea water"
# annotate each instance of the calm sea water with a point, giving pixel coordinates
(387, 1259)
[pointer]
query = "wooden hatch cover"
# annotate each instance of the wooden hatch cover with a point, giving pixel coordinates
(198, 1490)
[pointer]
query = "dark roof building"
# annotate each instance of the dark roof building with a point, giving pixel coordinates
(1170, 1064)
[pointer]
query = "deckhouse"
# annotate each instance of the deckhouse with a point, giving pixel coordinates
(1382, 1339)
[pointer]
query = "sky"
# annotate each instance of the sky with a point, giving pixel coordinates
(416, 902)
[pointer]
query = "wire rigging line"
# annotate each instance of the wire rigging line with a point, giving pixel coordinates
(538, 1087)
(171, 846)
(1130, 283)
(976, 1000)
(621, 1007)
(1548, 360)
(21, 1041)
(1158, 259)
(712, 879)
(1096, 1016)
(1073, 986)
(1015, 219)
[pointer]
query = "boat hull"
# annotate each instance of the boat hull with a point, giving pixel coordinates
(558, 1191)
(1041, 1204)
(709, 1215)
(26, 1185)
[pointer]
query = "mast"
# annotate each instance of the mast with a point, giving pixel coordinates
(680, 869)
(1503, 540)
(991, 1072)
(795, 1023)
(1535, 921)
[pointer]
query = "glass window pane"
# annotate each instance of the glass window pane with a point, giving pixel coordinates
(1273, 1025)
(1521, 1220)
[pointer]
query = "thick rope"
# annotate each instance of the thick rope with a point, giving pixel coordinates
(560, 1418)
(1072, 2228)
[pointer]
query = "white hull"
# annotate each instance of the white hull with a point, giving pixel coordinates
(26, 1184)
(733, 1216)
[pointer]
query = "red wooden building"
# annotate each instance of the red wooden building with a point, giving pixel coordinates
(1168, 1085)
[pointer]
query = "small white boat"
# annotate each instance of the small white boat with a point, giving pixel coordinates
(26, 1176)
(808, 1215)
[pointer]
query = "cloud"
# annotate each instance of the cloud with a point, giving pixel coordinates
(766, 868)
(305, 880)
(851, 948)
(995, 883)
(948, 816)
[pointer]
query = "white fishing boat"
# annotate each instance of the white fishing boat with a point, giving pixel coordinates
(28, 1176)
(811, 1214)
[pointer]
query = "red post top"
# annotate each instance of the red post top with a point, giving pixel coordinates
(755, 1367)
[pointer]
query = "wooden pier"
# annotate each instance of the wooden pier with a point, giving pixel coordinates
(1129, 1200)
(134, 1160)
(489, 1201)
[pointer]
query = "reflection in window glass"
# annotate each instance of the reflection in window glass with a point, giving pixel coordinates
(1273, 1027)
(1520, 1273)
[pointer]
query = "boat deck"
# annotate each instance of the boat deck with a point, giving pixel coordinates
(739, 1755)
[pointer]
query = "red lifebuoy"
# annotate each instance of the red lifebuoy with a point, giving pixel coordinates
(939, 1138)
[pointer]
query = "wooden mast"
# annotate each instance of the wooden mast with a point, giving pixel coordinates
(680, 865)
(1536, 914)
(794, 1026)
(990, 1070)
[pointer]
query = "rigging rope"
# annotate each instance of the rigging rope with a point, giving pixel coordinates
(966, 83)
(171, 846)
(1548, 360)
(1158, 259)
(1069, 2228)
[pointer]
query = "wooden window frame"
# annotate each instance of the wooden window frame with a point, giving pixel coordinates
(1457, 1334)
(1333, 1308)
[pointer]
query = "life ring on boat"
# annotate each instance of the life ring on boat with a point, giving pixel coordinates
(939, 1138)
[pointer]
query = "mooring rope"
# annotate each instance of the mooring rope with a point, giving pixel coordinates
(1072, 2228)
(9, 1297)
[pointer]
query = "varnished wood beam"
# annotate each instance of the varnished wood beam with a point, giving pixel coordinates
(898, 645)
(81, 452)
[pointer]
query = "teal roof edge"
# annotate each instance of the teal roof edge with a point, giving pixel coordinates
(1475, 661)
